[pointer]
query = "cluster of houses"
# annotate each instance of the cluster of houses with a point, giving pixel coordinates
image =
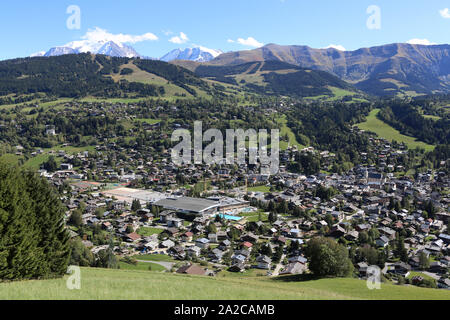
(222, 229)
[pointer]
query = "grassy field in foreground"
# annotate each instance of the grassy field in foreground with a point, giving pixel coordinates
(385, 131)
(148, 285)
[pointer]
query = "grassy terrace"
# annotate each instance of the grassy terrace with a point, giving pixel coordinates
(148, 231)
(264, 189)
(149, 285)
(385, 131)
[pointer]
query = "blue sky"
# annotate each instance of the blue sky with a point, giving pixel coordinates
(31, 26)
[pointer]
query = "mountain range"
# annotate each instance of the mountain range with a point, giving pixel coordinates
(387, 70)
(383, 70)
(108, 48)
(113, 49)
(198, 54)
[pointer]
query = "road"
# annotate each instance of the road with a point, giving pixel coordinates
(278, 267)
(167, 265)
(433, 275)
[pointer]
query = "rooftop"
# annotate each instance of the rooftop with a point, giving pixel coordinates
(197, 205)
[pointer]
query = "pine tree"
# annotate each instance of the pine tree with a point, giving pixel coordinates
(136, 205)
(50, 220)
(33, 241)
(19, 254)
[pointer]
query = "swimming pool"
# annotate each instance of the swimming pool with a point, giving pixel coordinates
(228, 217)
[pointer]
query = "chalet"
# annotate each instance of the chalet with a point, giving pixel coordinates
(438, 267)
(225, 244)
(280, 239)
(132, 237)
(445, 237)
(237, 267)
(238, 258)
(178, 251)
(174, 222)
(294, 268)
(250, 237)
(247, 245)
(221, 235)
(264, 262)
(362, 268)
(352, 235)
(216, 255)
(167, 244)
(401, 268)
(298, 259)
(212, 237)
(193, 251)
(151, 245)
(382, 241)
(192, 270)
(388, 232)
(187, 236)
(165, 215)
(202, 243)
(337, 231)
(172, 232)
(375, 180)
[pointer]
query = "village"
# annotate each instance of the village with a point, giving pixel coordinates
(211, 219)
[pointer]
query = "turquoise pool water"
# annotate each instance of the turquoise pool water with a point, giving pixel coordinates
(228, 217)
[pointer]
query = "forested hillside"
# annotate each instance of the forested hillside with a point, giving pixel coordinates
(275, 77)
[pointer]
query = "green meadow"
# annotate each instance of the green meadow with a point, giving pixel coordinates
(151, 285)
(383, 130)
(286, 131)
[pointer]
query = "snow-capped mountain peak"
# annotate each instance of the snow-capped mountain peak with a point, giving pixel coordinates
(109, 48)
(114, 49)
(199, 54)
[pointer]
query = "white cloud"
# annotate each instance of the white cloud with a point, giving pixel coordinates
(445, 13)
(98, 35)
(424, 42)
(182, 38)
(336, 46)
(249, 42)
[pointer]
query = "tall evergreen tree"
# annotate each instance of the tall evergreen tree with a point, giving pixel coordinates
(33, 241)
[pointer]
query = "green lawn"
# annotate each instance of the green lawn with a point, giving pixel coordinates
(154, 257)
(141, 266)
(148, 285)
(259, 189)
(420, 274)
(148, 231)
(149, 121)
(385, 131)
(35, 162)
(254, 216)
